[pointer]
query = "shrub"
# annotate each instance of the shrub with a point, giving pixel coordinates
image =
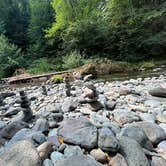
(57, 79)
(72, 60)
(39, 66)
(10, 57)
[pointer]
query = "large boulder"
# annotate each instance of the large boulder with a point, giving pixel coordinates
(137, 134)
(78, 131)
(29, 135)
(132, 152)
(158, 92)
(22, 153)
(153, 131)
(79, 160)
(12, 128)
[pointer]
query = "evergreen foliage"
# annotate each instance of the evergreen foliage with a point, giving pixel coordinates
(34, 31)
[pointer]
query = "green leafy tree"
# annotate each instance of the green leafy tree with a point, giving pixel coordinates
(41, 16)
(79, 24)
(10, 57)
(15, 14)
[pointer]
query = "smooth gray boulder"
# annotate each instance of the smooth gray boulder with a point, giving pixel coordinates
(153, 131)
(158, 92)
(107, 140)
(79, 160)
(137, 134)
(124, 116)
(132, 152)
(78, 131)
(29, 135)
(12, 128)
(23, 153)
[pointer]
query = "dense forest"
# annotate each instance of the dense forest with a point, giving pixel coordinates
(43, 35)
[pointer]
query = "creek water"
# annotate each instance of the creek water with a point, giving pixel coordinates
(155, 72)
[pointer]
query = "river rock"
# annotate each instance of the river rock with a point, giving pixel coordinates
(153, 131)
(110, 105)
(78, 131)
(107, 140)
(79, 160)
(2, 124)
(44, 149)
(132, 152)
(69, 105)
(118, 160)
(89, 93)
(158, 161)
(72, 151)
(41, 125)
(99, 155)
(124, 116)
(12, 128)
(163, 126)
(147, 117)
(152, 103)
(162, 145)
(158, 92)
(47, 162)
(12, 111)
(56, 156)
(137, 134)
(23, 153)
(29, 135)
(161, 118)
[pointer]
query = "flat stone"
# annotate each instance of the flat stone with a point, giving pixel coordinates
(147, 117)
(79, 160)
(158, 92)
(23, 153)
(12, 111)
(85, 111)
(12, 128)
(153, 131)
(72, 151)
(124, 116)
(107, 140)
(27, 134)
(78, 131)
(152, 103)
(132, 152)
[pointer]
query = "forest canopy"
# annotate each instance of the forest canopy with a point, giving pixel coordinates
(34, 32)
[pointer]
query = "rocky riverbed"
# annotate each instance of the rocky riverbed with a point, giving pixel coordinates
(119, 123)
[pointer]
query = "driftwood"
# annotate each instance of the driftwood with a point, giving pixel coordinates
(24, 78)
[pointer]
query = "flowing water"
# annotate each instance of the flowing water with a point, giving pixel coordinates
(134, 75)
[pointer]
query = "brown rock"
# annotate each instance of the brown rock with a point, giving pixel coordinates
(44, 149)
(118, 160)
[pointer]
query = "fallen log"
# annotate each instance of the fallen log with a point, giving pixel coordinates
(24, 78)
